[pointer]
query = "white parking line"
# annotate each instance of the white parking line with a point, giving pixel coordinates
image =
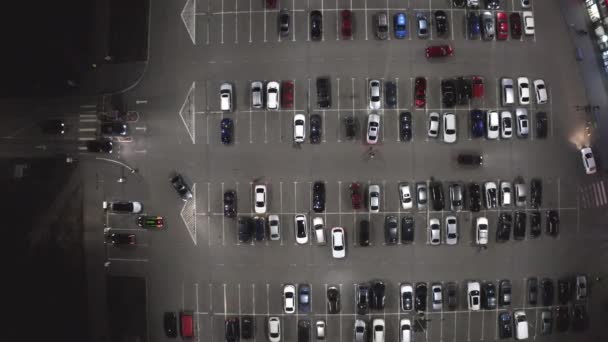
(250, 30)
(281, 207)
(365, 19)
(265, 10)
(236, 22)
(469, 327)
(222, 23)
(223, 222)
(293, 20)
(338, 95)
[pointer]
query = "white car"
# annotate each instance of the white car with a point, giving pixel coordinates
(374, 198)
(123, 207)
(541, 91)
(588, 160)
(320, 328)
(449, 128)
(319, 228)
(259, 194)
(274, 329)
(338, 243)
(407, 297)
(526, 3)
(257, 94)
(481, 231)
(493, 124)
(451, 230)
(435, 232)
(436, 294)
(523, 124)
(523, 89)
(375, 96)
(528, 19)
(405, 196)
(273, 227)
(373, 128)
(273, 95)
(474, 295)
(506, 124)
(301, 230)
(299, 128)
(506, 197)
(289, 298)
(521, 325)
(405, 326)
(378, 330)
(508, 97)
(226, 97)
(433, 130)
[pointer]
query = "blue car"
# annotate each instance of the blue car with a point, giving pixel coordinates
(474, 25)
(400, 25)
(226, 128)
(478, 124)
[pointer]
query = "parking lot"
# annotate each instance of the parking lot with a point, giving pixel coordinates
(197, 263)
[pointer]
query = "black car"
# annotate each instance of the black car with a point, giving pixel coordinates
(420, 294)
(562, 318)
(181, 187)
(441, 22)
(230, 203)
(259, 224)
(390, 94)
(318, 197)
(437, 195)
(519, 230)
(316, 25)
(503, 230)
(536, 192)
(232, 330)
(552, 222)
(504, 292)
(542, 125)
(170, 324)
(488, 296)
(284, 23)
(564, 291)
(474, 197)
(464, 91)
(364, 233)
(350, 126)
(120, 239)
(547, 292)
(580, 319)
(390, 229)
(505, 325)
(54, 127)
(469, 159)
(323, 91)
(245, 228)
(532, 291)
(303, 330)
(407, 229)
(452, 293)
(459, 3)
(478, 123)
(535, 227)
(405, 126)
(492, 4)
(117, 128)
(363, 292)
(100, 145)
(304, 298)
(448, 95)
(226, 129)
(247, 327)
(333, 300)
(378, 294)
(315, 128)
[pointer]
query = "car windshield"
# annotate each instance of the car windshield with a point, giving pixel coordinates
(299, 122)
(301, 230)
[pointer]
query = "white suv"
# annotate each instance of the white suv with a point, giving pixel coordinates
(226, 97)
(299, 128)
(289, 298)
(272, 95)
(523, 88)
(474, 295)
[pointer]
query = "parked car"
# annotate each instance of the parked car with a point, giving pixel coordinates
(488, 296)
(503, 230)
(274, 329)
(363, 294)
(421, 195)
(451, 230)
(493, 125)
(232, 331)
(491, 195)
(318, 197)
(123, 206)
(391, 225)
(230, 203)
(304, 298)
(507, 91)
(299, 128)
(333, 300)
(420, 300)
(535, 228)
(364, 232)
(562, 318)
(287, 94)
(347, 24)
(273, 227)
(259, 224)
(226, 97)
(477, 87)
(400, 25)
(437, 295)
(532, 284)
(581, 287)
(378, 295)
(284, 22)
(373, 128)
(504, 292)
(405, 126)
(521, 325)
(381, 25)
(122, 239)
(523, 89)
(420, 92)
(320, 329)
(492, 4)
(405, 196)
(449, 128)
(245, 229)
(170, 324)
(436, 51)
(375, 94)
(303, 330)
(487, 25)
(481, 231)
(437, 200)
(360, 331)
(323, 92)
(405, 329)
(541, 91)
(422, 25)
(474, 197)
(301, 229)
(536, 193)
(448, 93)
(378, 327)
(506, 121)
(272, 95)
(452, 294)
(407, 229)
(247, 327)
(316, 25)
(318, 227)
(552, 222)
(226, 131)
(521, 192)
(515, 21)
(546, 325)
(289, 298)
(473, 295)
(434, 232)
(519, 229)
(478, 123)
(374, 198)
(456, 197)
(505, 329)
(547, 292)
(433, 127)
(257, 94)
(528, 23)
(259, 196)
(407, 296)
(505, 194)
(474, 25)
(338, 243)
(502, 27)
(441, 22)
(564, 291)
(355, 195)
(315, 128)
(390, 94)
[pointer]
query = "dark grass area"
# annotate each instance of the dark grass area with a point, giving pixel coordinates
(45, 268)
(127, 308)
(128, 38)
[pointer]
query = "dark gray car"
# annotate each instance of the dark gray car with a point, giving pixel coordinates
(456, 197)
(390, 229)
(546, 318)
(284, 20)
(381, 25)
(487, 25)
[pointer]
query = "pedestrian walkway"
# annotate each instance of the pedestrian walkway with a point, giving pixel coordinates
(593, 195)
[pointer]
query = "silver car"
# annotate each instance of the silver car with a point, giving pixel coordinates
(360, 331)
(487, 25)
(451, 230)
(435, 232)
(381, 25)
(421, 195)
(374, 198)
(375, 94)
(437, 296)
(456, 198)
(257, 94)
(423, 25)
(523, 124)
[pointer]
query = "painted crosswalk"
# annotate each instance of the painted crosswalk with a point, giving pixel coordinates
(593, 195)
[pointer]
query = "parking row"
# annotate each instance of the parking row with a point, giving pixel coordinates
(228, 22)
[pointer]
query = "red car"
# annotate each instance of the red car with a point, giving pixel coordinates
(502, 27)
(515, 20)
(420, 92)
(347, 24)
(355, 195)
(287, 94)
(477, 86)
(439, 51)
(271, 4)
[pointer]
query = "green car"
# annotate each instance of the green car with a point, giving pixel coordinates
(151, 222)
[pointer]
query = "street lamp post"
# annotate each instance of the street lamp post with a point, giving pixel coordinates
(122, 178)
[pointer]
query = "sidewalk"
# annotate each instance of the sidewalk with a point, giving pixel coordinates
(594, 76)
